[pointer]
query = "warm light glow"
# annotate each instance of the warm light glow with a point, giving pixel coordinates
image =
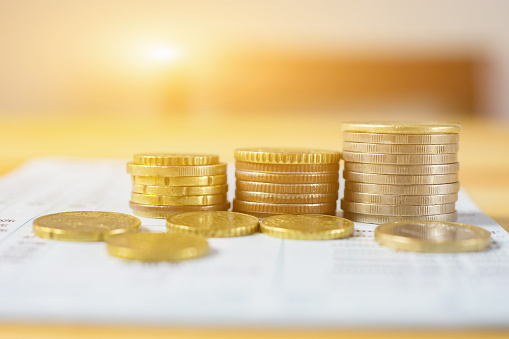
(164, 54)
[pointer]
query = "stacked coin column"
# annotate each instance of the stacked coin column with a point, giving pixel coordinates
(164, 184)
(286, 181)
(400, 171)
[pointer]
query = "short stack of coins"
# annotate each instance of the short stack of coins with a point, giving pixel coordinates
(273, 181)
(164, 184)
(400, 171)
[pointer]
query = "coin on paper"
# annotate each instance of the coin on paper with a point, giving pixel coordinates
(84, 225)
(213, 224)
(307, 227)
(157, 246)
(381, 219)
(432, 236)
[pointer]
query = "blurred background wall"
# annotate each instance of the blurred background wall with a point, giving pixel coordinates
(218, 58)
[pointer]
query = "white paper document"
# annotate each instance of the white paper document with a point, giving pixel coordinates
(246, 281)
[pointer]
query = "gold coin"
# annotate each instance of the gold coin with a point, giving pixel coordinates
(167, 200)
(260, 215)
(178, 209)
(381, 219)
(402, 169)
(175, 171)
(157, 246)
(432, 236)
(279, 198)
(287, 168)
(287, 188)
(387, 210)
(160, 215)
(240, 205)
(175, 159)
(399, 148)
(84, 225)
(403, 189)
(213, 224)
(400, 159)
(180, 190)
(396, 199)
(287, 178)
(287, 156)
(411, 139)
(208, 180)
(396, 127)
(391, 179)
(307, 227)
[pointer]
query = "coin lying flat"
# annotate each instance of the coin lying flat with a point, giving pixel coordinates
(432, 236)
(175, 159)
(249, 206)
(380, 219)
(213, 224)
(180, 190)
(178, 209)
(287, 156)
(287, 188)
(175, 171)
(287, 178)
(414, 210)
(403, 189)
(278, 198)
(84, 225)
(307, 227)
(396, 199)
(157, 246)
(204, 180)
(166, 200)
(402, 169)
(391, 179)
(399, 148)
(409, 139)
(401, 159)
(287, 168)
(401, 127)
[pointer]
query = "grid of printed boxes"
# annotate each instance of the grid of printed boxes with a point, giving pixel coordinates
(164, 184)
(286, 181)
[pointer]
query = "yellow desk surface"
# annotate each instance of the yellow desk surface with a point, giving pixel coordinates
(484, 173)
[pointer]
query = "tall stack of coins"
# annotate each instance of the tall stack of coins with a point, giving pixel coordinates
(274, 181)
(400, 171)
(173, 183)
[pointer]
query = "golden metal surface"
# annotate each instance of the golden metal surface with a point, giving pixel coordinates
(409, 139)
(376, 209)
(402, 189)
(175, 159)
(178, 209)
(287, 178)
(241, 206)
(432, 236)
(213, 224)
(396, 127)
(394, 179)
(399, 148)
(287, 168)
(157, 246)
(84, 225)
(175, 171)
(180, 190)
(307, 227)
(380, 219)
(287, 156)
(287, 188)
(279, 198)
(207, 180)
(166, 200)
(396, 199)
(402, 169)
(401, 159)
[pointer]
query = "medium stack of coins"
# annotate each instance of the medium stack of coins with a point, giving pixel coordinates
(400, 171)
(286, 181)
(173, 183)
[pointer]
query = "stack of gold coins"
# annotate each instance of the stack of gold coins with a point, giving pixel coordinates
(286, 181)
(400, 171)
(173, 183)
